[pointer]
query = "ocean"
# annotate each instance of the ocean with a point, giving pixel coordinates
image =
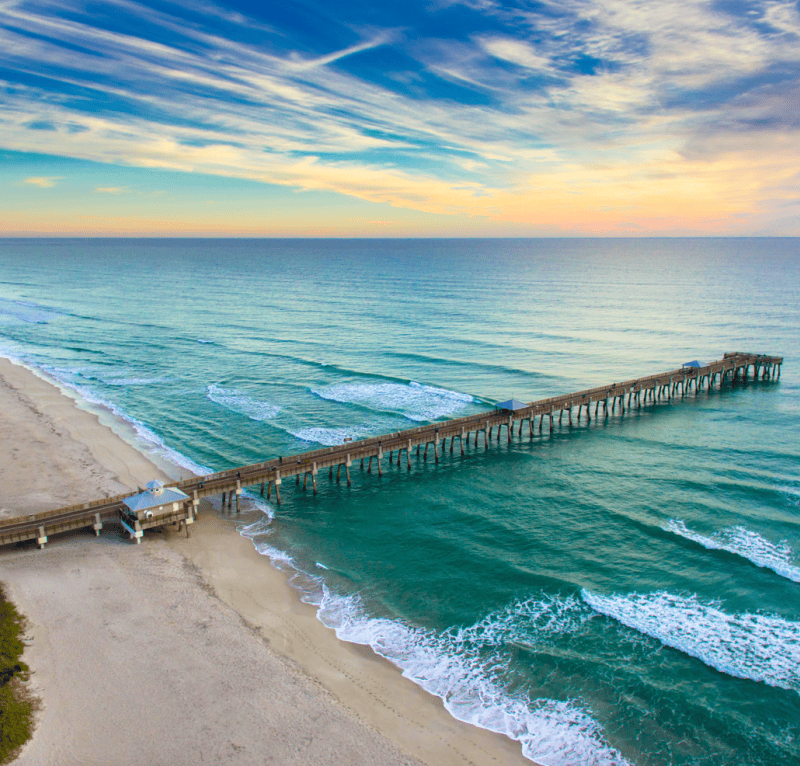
(626, 592)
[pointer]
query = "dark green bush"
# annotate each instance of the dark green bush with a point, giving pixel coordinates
(16, 704)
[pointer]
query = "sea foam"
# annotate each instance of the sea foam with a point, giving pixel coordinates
(413, 401)
(460, 668)
(239, 402)
(330, 437)
(756, 646)
(778, 557)
(464, 665)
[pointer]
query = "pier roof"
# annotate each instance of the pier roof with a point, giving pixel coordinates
(155, 495)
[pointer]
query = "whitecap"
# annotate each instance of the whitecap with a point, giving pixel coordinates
(744, 542)
(414, 401)
(464, 666)
(456, 667)
(760, 647)
(236, 401)
(329, 437)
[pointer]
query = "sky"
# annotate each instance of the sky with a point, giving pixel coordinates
(406, 119)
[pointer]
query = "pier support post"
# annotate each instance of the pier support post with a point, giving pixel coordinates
(278, 487)
(222, 506)
(380, 455)
(408, 455)
(98, 525)
(338, 473)
(262, 489)
(269, 489)
(314, 477)
(347, 470)
(238, 493)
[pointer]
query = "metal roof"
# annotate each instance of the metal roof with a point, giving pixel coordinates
(511, 404)
(693, 363)
(156, 494)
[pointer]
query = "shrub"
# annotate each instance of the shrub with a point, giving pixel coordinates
(17, 705)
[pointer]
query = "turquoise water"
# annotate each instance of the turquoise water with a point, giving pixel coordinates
(627, 592)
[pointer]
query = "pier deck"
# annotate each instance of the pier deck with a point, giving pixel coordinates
(272, 473)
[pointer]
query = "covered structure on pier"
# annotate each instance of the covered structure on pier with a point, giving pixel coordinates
(156, 506)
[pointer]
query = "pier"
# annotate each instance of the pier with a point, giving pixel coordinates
(268, 478)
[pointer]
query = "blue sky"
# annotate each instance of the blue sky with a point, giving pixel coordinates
(440, 118)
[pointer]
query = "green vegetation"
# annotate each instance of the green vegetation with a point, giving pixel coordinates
(16, 703)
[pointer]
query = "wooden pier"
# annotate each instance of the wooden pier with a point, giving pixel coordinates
(268, 477)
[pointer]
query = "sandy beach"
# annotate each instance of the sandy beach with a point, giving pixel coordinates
(185, 650)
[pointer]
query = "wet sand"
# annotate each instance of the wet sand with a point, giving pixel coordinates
(185, 650)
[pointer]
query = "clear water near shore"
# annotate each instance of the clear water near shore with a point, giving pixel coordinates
(620, 593)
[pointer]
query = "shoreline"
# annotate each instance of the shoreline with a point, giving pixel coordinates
(381, 711)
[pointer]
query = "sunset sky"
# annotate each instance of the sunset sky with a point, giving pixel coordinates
(474, 118)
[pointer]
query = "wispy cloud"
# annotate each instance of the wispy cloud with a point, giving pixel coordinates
(109, 189)
(581, 100)
(43, 182)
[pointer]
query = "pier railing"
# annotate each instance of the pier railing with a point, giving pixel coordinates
(271, 473)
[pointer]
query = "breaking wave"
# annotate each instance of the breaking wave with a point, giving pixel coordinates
(778, 557)
(414, 401)
(236, 401)
(331, 437)
(756, 646)
(465, 666)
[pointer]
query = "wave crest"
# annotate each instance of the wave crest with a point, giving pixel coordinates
(236, 401)
(755, 646)
(456, 667)
(414, 401)
(778, 557)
